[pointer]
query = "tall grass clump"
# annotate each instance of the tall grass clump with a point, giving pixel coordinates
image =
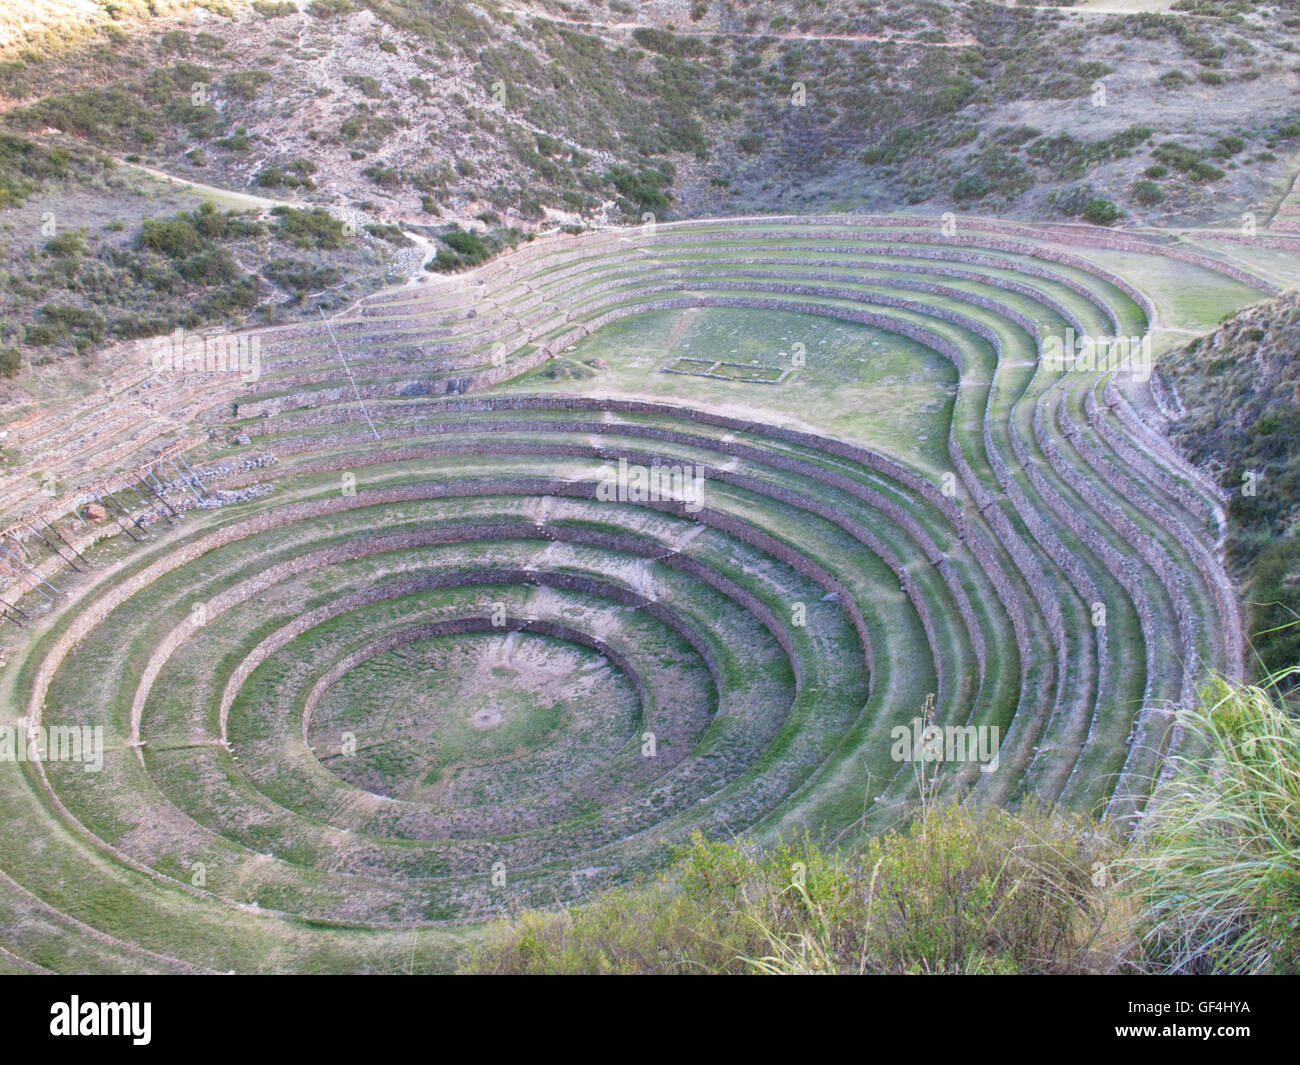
(1216, 870)
(958, 890)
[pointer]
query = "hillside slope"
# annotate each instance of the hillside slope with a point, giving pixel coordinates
(502, 121)
(1236, 398)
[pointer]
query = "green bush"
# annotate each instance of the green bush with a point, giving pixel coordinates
(11, 362)
(1100, 212)
(70, 245)
(970, 187)
(77, 326)
(330, 8)
(644, 187)
(314, 228)
(25, 165)
(366, 85)
(391, 234)
(272, 177)
(666, 43)
(1187, 161)
(1227, 147)
(245, 83)
(174, 238)
(298, 276)
(385, 177)
(1147, 193)
(469, 246)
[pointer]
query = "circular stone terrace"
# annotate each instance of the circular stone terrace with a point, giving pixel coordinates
(465, 604)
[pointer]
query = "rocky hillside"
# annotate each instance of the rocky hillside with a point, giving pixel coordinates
(467, 127)
(1236, 395)
(529, 112)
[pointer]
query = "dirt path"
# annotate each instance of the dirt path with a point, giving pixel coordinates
(780, 35)
(245, 199)
(1088, 7)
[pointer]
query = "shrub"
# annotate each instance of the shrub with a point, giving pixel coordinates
(1147, 193)
(1012, 136)
(365, 84)
(177, 41)
(385, 177)
(25, 165)
(666, 43)
(643, 188)
(298, 276)
(330, 8)
(1275, 595)
(11, 362)
(1187, 161)
(1227, 147)
(1100, 212)
(952, 95)
(469, 246)
(272, 177)
(391, 234)
(314, 228)
(174, 238)
(63, 321)
(245, 83)
(970, 187)
(964, 135)
(70, 245)
(1006, 172)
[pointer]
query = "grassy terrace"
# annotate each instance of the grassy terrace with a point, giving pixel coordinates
(405, 685)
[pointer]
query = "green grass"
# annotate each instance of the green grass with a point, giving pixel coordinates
(857, 382)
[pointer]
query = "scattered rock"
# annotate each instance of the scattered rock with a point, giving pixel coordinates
(95, 512)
